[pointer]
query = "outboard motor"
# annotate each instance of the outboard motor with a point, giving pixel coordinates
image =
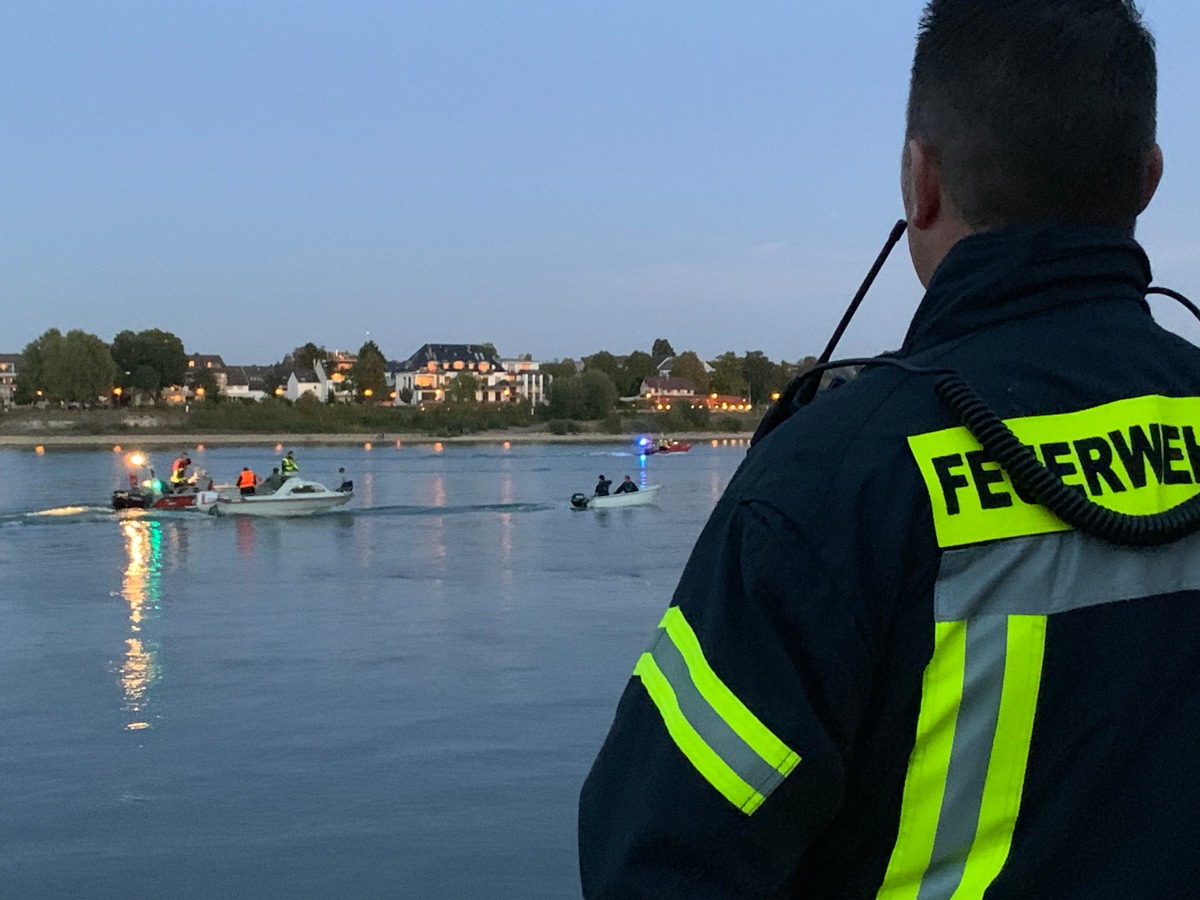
(579, 501)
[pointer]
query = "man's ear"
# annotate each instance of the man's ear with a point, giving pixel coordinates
(1153, 175)
(923, 187)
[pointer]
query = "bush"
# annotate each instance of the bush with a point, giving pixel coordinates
(587, 396)
(683, 417)
(611, 424)
(562, 426)
(732, 424)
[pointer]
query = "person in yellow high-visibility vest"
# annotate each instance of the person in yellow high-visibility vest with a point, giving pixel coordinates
(288, 465)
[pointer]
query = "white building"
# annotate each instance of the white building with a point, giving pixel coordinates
(10, 363)
(427, 375)
(307, 381)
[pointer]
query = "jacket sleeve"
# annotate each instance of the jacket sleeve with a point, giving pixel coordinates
(728, 751)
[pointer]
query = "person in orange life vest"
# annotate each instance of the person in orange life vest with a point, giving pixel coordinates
(246, 482)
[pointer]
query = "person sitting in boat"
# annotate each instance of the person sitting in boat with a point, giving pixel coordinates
(288, 465)
(247, 482)
(602, 486)
(344, 482)
(626, 487)
(179, 471)
(272, 482)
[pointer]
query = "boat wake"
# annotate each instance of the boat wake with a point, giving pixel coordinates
(57, 515)
(78, 515)
(402, 510)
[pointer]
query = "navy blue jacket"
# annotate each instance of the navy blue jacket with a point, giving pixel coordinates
(883, 673)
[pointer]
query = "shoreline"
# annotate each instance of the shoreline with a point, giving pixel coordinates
(132, 441)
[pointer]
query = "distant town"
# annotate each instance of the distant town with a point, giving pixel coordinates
(152, 368)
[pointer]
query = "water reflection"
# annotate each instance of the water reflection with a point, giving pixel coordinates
(508, 494)
(141, 589)
(246, 536)
(433, 542)
(716, 486)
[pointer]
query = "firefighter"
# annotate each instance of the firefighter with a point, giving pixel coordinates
(247, 482)
(179, 470)
(288, 465)
(886, 670)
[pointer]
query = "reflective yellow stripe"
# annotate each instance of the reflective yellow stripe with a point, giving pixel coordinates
(714, 769)
(974, 501)
(925, 784)
(959, 811)
(1010, 755)
(735, 713)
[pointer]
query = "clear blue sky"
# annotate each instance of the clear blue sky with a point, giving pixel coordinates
(555, 177)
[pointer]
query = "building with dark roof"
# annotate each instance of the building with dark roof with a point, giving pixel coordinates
(427, 375)
(250, 382)
(209, 362)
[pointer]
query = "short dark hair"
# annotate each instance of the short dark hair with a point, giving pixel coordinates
(1036, 110)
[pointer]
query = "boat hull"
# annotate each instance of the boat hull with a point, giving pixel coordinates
(644, 497)
(137, 499)
(295, 497)
(673, 447)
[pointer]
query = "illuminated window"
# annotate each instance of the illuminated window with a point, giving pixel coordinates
(458, 364)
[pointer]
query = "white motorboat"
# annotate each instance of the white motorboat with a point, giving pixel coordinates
(616, 501)
(295, 497)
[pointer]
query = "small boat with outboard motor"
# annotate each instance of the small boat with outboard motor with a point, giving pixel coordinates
(642, 497)
(295, 497)
(147, 491)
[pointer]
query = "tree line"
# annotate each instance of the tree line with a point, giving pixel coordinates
(590, 389)
(79, 367)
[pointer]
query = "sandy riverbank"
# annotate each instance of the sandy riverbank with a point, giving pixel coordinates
(158, 441)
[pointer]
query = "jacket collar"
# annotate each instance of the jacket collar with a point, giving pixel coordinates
(1024, 270)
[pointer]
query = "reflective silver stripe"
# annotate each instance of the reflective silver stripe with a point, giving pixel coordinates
(713, 729)
(1055, 573)
(974, 734)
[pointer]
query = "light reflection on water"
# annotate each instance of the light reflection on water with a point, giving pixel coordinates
(433, 543)
(508, 494)
(364, 490)
(141, 589)
(246, 536)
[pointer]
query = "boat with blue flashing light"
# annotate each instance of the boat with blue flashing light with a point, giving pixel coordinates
(649, 446)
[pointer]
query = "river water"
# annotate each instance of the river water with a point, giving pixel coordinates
(397, 700)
